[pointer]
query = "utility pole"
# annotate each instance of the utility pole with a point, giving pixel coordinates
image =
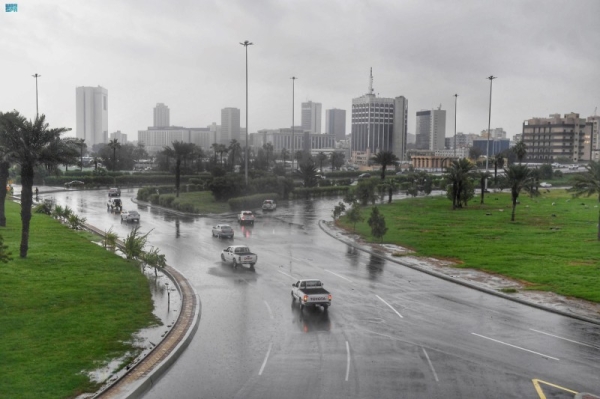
(36, 76)
(487, 159)
(246, 44)
(293, 143)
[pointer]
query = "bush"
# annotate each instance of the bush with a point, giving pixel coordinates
(166, 200)
(307, 192)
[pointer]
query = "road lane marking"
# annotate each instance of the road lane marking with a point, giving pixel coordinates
(391, 307)
(430, 365)
(266, 358)
(269, 309)
(347, 360)
(540, 392)
(518, 347)
(335, 274)
(566, 339)
(286, 274)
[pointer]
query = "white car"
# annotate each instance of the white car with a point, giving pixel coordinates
(545, 185)
(269, 205)
(130, 216)
(246, 217)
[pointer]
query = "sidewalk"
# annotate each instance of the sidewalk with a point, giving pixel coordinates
(478, 280)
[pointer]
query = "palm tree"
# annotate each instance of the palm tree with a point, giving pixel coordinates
(498, 163)
(5, 157)
(588, 183)
(114, 144)
(457, 174)
(31, 144)
(215, 148)
(222, 149)
(180, 150)
(336, 158)
(482, 177)
(520, 150)
(268, 147)
(321, 157)
(385, 158)
(236, 148)
(284, 155)
(308, 171)
(517, 176)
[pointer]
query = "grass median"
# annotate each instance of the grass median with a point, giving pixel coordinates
(68, 308)
(551, 246)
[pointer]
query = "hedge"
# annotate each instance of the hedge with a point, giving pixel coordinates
(306, 192)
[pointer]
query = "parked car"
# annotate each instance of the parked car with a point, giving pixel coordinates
(545, 185)
(246, 217)
(269, 205)
(114, 192)
(74, 183)
(364, 176)
(321, 177)
(222, 231)
(114, 205)
(130, 216)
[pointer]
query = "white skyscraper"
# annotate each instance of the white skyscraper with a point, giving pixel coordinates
(92, 114)
(230, 126)
(162, 115)
(431, 129)
(311, 117)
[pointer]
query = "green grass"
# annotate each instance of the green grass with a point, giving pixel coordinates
(67, 308)
(551, 253)
(202, 202)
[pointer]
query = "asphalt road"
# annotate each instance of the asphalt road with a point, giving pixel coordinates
(391, 331)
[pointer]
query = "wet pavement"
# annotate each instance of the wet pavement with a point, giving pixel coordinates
(391, 330)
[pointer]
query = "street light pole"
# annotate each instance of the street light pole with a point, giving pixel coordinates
(487, 159)
(455, 103)
(246, 44)
(293, 105)
(36, 76)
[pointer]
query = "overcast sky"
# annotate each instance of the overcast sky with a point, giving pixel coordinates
(186, 54)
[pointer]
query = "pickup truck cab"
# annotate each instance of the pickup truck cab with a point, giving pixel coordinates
(114, 205)
(311, 293)
(246, 217)
(239, 255)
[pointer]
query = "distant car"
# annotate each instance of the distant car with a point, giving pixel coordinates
(246, 217)
(114, 205)
(114, 192)
(269, 205)
(321, 177)
(74, 183)
(130, 216)
(222, 231)
(545, 185)
(364, 176)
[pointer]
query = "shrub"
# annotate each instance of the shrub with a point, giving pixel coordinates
(251, 201)
(166, 200)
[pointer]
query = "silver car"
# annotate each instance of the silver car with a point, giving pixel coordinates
(130, 216)
(222, 231)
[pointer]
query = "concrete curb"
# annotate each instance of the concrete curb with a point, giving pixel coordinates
(327, 230)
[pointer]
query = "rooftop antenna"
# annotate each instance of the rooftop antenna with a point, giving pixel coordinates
(371, 82)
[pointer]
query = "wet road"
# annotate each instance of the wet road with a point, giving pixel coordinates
(390, 332)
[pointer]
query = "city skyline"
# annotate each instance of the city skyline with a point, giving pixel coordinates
(436, 50)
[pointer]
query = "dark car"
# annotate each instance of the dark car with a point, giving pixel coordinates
(114, 192)
(74, 183)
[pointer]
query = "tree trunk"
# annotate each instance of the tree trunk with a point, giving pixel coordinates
(514, 205)
(482, 183)
(177, 176)
(383, 171)
(390, 192)
(4, 166)
(599, 218)
(26, 202)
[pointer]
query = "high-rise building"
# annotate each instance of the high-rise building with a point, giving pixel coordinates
(431, 129)
(379, 124)
(311, 117)
(121, 137)
(162, 116)
(555, 137)
(92, 114)
(230, 126)
(335, 123)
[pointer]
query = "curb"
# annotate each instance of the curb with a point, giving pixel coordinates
(327, 230)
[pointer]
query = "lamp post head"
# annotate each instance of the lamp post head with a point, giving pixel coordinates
(247, 43)
(492, 77)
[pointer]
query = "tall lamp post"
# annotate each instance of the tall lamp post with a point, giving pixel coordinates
(455, 104)
(293, 105)
(246, 44)
(487, 159)
(36, 76)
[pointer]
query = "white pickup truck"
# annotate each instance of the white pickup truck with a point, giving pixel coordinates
(311, 293)
(239, 255)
